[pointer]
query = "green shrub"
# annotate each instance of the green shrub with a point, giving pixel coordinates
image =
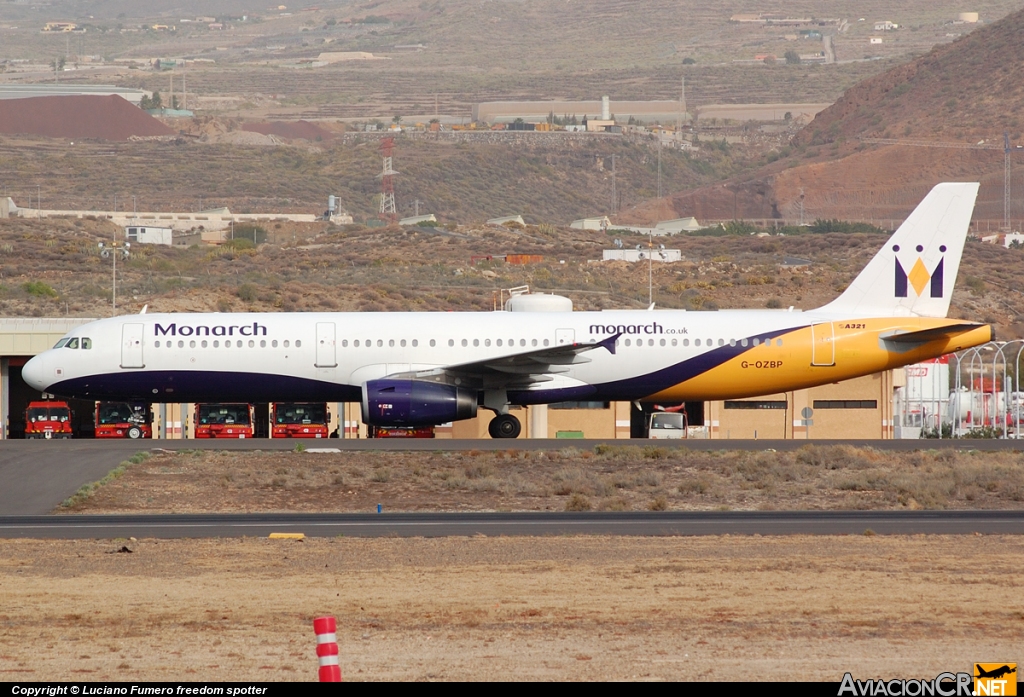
(38, 288)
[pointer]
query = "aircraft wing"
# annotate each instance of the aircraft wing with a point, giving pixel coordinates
(517, 369)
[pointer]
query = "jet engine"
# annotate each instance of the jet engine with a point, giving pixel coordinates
(391, 402)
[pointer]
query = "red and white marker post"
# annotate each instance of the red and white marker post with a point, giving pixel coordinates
(327, 648)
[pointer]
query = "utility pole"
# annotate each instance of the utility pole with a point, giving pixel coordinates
(659, 165)
(1006, 181)
(615, 195)
(416, 207)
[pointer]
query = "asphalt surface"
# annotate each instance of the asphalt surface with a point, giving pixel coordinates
(36, 475)
(507, 524)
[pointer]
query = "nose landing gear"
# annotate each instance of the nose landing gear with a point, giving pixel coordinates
(504, 426)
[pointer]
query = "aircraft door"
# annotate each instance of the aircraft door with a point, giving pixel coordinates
(564, 337)
(326, 356)
(131, 346)
(823, 345)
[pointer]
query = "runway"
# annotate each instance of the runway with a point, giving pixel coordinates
(36, 475)
(515, 524)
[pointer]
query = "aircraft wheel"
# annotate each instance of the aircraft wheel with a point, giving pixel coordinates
(134, 432)
(504, 426)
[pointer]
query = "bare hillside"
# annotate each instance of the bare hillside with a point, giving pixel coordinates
(938, 107)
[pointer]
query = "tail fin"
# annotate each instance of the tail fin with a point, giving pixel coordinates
(914, 273)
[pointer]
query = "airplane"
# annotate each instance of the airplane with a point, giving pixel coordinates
(429, 368)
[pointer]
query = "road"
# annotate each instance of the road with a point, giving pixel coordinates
(35, 476)
(505, 524)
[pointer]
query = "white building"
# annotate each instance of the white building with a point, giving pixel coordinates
(418, 219)
(146, 234)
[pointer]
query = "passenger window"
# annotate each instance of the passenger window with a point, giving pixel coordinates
(476, 342)
(686, 342)
(757, 342)
(263, 343)
(732, 342)
(380, 342)
(522, 342)
(192, 344)
(721, 342)
(696, 342)
(286, 343)
(216, 343)
(344, 343)
(779, 342)
(487, 342)
(650, 342)
(451, 342)
(86, 342)
(673, 342)
(465, 343)
(628, 342)
(391, 343)
(498, 342)
(204, 344)
(534, 342)
(354, 343)
(545, 342)
(402, 343)
(252, 344)
(156, 343)
(415, 343)
(743, 342)
(73, 344)
(181, 344)
(662, 342)
(298, 344)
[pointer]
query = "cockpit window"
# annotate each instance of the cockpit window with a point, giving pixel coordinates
(61, 343)
(73, 344)
(86, 342)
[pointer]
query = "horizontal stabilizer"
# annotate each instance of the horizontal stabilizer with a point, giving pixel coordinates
(926, 335)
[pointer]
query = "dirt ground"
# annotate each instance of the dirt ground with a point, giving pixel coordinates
(565, 608)
(609, 478)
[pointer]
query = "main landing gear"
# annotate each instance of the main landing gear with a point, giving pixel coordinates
(504, 426)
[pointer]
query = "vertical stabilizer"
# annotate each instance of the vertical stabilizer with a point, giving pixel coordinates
(914, 273)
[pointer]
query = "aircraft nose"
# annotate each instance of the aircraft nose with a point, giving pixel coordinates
(34, 373)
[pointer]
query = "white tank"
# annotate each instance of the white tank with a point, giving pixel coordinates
(968, 17)
(538, 302)
(606, 109)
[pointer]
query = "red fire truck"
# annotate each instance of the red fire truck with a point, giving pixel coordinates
(299, 420)
(224, 421)
(123, 420)
(48, 420)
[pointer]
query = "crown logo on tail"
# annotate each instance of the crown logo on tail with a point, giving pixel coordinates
(918, 278)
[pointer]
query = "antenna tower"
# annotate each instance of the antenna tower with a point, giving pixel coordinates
(387, 180)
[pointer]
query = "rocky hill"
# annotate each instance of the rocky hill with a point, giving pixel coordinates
(939, 107)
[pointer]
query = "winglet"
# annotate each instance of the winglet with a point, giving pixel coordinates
(609, 343)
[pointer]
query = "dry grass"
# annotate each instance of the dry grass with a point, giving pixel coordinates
(619, 478)
(566, 608)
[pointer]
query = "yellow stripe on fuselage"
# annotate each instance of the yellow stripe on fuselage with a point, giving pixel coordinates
(855, 350)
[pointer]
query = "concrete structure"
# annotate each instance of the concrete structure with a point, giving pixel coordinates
(679, 225)
(968, 17)
(507, 219)
(143, 234)
(597, 223)
(60, 89)
(418, 219)
(507, 112)
(213, 219)
(633, 255)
